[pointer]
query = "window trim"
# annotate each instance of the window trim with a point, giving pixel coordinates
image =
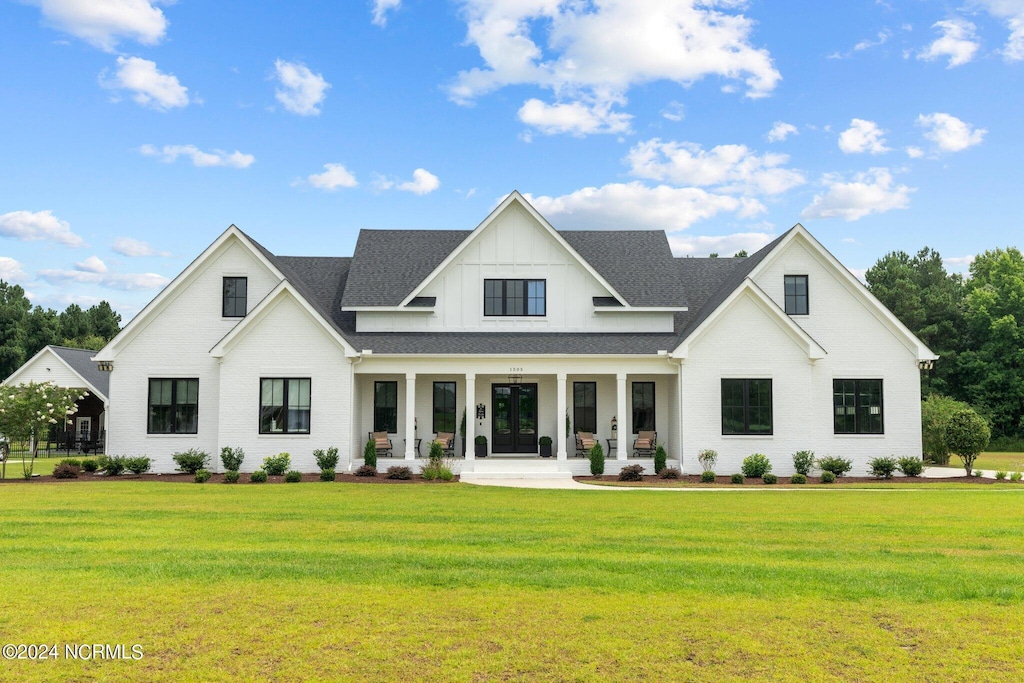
(433, 399)
(654, 406)
(796, 298)
(856, 405)
(224, 296)
(526, 298)
(746, 406)
(284, 403)
(173, 405)
(575, 408)
(375, 425)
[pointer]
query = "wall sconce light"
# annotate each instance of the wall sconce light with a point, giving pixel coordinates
(925, 364)
(481, 411)
(105, 366)
(515, 380)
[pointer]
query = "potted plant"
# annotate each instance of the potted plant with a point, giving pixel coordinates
(545, 446)
(480, 446)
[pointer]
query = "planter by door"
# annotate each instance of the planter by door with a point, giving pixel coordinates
(480, 449)
(545, 450)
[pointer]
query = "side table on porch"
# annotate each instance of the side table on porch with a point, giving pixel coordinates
(613, 445)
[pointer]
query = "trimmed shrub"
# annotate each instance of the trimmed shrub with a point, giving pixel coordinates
(798, 479)
(669, 473)
(231, 458)
(114, 466)
(140, 464)
(66, 471)
(366, 471)
(708, 458)
(1015, 476)
(977, 473)
(191, 461)
(544, 441)
(770, 478)
(90, 465)
(370, 454)
(231, 477)
(632, 473)
(828, 477)
(756, 465)
(910, 467)
(74, 462)
(276, 465)
(327, 475)
(836, 466)
(429, 472)
(436, 452)
(445, 473)
(597, 460)
(966, 434)
(707, 477)
(883, 467)
(659, 458)
(326, 460)
(935, 413)
(803, 462)
(1000, 475)
(399, 472)
(736, 478)
(293, 477)
(258, 477)
(203, 476)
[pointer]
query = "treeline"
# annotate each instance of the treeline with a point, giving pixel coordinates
(25, 329)
(975, 323)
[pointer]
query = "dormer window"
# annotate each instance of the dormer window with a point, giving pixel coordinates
(515, 297)
(235, 292)
(796, 294)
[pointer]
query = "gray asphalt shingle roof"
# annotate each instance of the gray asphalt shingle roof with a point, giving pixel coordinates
(79, 361)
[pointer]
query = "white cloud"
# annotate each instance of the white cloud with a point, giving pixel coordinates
(218, 157)
(883, 37)
(333, 177)
(575, 118)
(634, 205)
(781, 130)
(1012, 12)
(914, 152)
(93, 264)
(871, 192)
(730, 168)
(675, 111)
(423, 182)
(122, 281)
(849, 240)
(151, 87)
(32, 226)
(958, 263)
(949, 133)
(129, 246)
(10, 270)
(381, 9)
(723, 245)
(862, 136)
(302, 91)
(958, 42)
(103, 23)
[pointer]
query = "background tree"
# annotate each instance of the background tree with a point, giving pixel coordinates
(14, 306)
(103, 321)
(74, 324)
(967, 434)
(936, 410)
(42, 328)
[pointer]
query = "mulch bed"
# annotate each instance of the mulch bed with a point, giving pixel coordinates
(219, 479)
(694, 480)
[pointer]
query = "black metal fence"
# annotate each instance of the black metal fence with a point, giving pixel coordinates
(60, 444)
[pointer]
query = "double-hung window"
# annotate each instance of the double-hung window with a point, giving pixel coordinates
(284, 405)
(858, 406)
(515, 297)
(385, 407)
(584, 406)
(444, 407)
(173, 406)
(643, 407)
(235, 294)
(746, 406)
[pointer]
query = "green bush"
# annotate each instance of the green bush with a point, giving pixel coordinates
(544, 441)
(660, 456)
(202, 476)
(736, 478)
(1000, 475)
(707, 477)
(935, 413)
(293, 477)
(708, 458)
(231, 458)
(756, 465)
(327, 475)
(114, 466)
(669, 473)
(140, 464)
(276, 465)
(445, 473)
(798, 479)
(191, 461)
(90, 465)
(597, 460)
(258, 477)
(1015, 476)
(370, 454)
(910, 467)
(74, 462)
(480, 440)
(883, 467)
(231, 477)
(835, 465)
(828, 477)
(966, 434)
(770, 478)
(977, 473)
(803, 462)
(632, 473)
(429, 472)
(436, 453)
(399, 472)
(366, 471)
(65, 470)
(326, 460)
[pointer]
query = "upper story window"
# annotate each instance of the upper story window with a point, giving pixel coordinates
(515, 297)
(235, 291)
(796, 294)
(173, 406)
(858, 406)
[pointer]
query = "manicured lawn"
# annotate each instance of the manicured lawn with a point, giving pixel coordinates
(43, 466)
(1009, 462)
(455, 582)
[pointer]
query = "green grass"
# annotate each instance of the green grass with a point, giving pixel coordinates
(455, 582)
(1009, 462)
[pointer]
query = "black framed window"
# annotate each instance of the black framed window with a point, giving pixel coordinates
(858, 406)
(584, 406)
(515, 297)
(444, 407)
(284, 405)
(385, 407)
(235, 292)
(173, 406)
(796, 294)
(643, 407)
(746, 406)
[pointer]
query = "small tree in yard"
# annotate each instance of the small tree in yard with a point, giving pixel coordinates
(370, 454)
(967, 434)
(660, 456)
(27, 411)
(708, 458)
(597, 460)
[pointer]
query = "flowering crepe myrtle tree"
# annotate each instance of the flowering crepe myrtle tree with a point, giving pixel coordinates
(27, 411)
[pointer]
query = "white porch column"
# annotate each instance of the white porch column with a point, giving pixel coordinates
(470, 416)
(624, 433)
(561, 439)
(410, 416)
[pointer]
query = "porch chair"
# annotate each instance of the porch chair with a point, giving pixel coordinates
(382, 443)
(645, 444)
(584, 442)
(447, 441)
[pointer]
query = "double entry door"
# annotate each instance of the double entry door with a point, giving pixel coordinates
(514, 418)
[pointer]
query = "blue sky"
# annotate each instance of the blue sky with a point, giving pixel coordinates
(135, 131)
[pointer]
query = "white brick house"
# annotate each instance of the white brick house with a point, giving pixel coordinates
(524, 328)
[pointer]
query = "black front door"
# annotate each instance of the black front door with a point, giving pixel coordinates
(514, 418)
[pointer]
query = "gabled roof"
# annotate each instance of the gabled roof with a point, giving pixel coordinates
(80, 363)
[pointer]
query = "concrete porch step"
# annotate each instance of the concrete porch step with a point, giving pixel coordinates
(469, 477)
(513, 468)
